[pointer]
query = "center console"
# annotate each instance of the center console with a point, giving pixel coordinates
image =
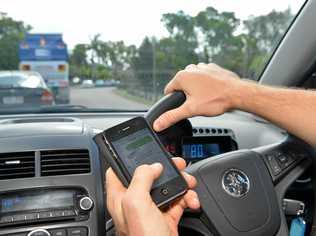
(51, 181)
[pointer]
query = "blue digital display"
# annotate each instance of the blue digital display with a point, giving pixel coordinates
(200, 150)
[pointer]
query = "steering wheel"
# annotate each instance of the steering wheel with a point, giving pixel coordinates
(240, 192)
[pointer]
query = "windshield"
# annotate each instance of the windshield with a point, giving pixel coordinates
(119, 55)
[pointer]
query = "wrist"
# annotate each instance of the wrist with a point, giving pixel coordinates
(243, 91)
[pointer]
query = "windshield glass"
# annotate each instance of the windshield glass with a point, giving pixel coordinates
(119, 55)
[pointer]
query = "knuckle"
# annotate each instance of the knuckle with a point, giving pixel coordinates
(190, 66)
(191, 109)
(213, 66)
(130, 202)
(180, 74)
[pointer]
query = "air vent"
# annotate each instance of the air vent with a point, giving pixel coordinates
(64, 162)
(17, 165)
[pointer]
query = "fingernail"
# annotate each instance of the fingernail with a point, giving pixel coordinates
(196, 202)
(157, 166)
(157, 125)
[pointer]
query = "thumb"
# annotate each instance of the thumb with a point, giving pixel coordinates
(144, 177)
(171, 117)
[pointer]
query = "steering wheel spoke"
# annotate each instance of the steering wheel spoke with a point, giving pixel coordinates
(286, 162)
(282, 159)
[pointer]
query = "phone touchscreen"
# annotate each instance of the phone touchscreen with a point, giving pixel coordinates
(140, 148)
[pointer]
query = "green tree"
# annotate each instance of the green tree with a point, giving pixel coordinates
(11, 33)
(78, 61)
(78, 56)
(262, 35)
(218, 40)
(143, 68)
(180, 49)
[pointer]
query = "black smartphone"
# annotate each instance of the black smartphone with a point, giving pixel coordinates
(134, 143)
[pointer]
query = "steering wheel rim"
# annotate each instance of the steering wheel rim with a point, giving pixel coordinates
(273, 222)
(166, 103)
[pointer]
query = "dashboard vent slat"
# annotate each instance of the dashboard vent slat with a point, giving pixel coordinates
(17, 165)
(65, 162)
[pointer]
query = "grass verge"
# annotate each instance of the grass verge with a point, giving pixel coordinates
(125, 94)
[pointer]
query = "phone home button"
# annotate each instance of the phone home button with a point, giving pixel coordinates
(164, 191)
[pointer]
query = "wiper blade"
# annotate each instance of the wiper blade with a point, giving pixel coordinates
(62, 108)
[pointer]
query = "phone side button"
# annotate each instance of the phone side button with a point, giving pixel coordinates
(164, 191)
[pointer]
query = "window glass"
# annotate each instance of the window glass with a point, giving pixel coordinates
(119, 55)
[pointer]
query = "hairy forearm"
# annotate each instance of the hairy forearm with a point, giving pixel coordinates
(291, 109)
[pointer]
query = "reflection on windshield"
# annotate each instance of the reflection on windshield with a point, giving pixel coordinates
(19, 81)
(116, 74)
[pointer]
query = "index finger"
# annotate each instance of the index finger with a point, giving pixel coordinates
(174, 84)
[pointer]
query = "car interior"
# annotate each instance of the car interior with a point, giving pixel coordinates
(52, 171)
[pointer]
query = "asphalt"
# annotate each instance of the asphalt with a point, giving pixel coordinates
(104, 97)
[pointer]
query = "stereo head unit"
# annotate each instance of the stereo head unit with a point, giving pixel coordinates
(37, 205)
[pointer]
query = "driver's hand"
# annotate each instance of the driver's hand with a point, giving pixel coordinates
(210, 90)
(133, 211)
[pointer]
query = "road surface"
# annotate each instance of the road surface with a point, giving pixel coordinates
(102, 98)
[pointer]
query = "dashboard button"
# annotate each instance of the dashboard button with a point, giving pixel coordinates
(45, 215)
(58, 232)
(78, 231)
(17, 218)
(39, 232)
(86, 203)
(276, 169)
(69, 213)
(32, 216)
(57, 213)
(6, 219)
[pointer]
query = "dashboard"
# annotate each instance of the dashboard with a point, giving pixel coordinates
(52, 174)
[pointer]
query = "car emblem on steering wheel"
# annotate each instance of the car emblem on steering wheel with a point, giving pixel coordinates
(236, 183)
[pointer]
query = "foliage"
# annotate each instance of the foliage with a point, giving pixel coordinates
(11, 33)
(210, 36)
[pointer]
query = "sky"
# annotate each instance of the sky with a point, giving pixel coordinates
(127, 20)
